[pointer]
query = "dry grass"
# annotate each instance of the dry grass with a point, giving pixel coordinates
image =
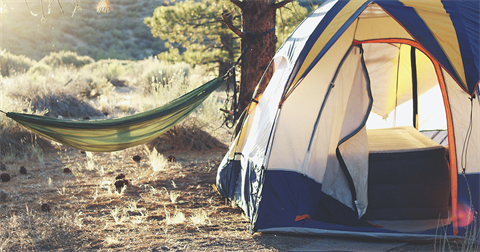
(158, 206)
(173, 208)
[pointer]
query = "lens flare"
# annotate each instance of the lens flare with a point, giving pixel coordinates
(465, 215)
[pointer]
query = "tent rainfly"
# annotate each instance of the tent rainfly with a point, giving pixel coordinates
(342, 140)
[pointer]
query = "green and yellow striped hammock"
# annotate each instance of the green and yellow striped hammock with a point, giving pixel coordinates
(117, 134)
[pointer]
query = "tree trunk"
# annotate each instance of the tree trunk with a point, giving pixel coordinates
(226, 41)
(258, 17)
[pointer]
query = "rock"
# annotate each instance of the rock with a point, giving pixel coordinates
(5, 177)
(23, 170)
(3, 167)
(3, 196)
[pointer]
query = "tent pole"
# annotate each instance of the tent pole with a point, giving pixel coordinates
(414, 87)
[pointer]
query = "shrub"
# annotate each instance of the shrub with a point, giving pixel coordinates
(63, 58)
(64, 105)
(39, 68)
(156, 74)
(110, 69)
(10, 63)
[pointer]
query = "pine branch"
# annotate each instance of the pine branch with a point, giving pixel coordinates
(232, 27)
(28, 8)
(77, 7)
(280, 4)
(238, 3)
(58, 1)
(5, 5)
(44, 18)
(50, 6)
(104, 6)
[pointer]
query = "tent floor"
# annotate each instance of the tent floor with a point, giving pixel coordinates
(411, 225)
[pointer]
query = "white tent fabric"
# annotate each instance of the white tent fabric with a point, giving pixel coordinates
(466, 142)
(349, 105)
(291, 48)
(265, 112)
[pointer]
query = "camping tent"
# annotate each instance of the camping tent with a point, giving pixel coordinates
(311, 156)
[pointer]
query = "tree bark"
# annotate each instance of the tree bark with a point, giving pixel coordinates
(227, 44)
(258, 17)
(226, 41)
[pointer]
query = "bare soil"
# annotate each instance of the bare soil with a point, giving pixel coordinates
(88, 213)
(174, 209)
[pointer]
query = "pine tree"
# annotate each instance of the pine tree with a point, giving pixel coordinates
(200, 32)
(194, 33)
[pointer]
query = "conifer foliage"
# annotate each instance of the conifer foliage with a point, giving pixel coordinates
(194, 32)
(202, 32)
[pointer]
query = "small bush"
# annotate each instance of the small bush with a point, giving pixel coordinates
(109, 70)
(10, 63)
(182, 137)
(39, 68)
(156, 74)
(63, 105)
(56, 59)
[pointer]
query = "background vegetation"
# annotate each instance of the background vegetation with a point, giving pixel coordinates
(65, 85)
(73, 62)
(120, 34)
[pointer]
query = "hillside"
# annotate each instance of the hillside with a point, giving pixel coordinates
(120, 34)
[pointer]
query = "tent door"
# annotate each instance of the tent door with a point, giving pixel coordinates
(349, 101)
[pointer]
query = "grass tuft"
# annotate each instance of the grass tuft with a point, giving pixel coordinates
(200, 218)
(177, 218)
(173, 196)
(157, 161)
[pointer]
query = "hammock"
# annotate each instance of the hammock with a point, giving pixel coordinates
(118, 134)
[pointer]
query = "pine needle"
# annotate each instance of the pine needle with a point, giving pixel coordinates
(104, 6)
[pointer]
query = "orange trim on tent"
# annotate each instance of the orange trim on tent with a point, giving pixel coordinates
(451, 136)
(451, 148)
(302, 217)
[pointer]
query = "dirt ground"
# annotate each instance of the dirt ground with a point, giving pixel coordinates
(172, 208)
